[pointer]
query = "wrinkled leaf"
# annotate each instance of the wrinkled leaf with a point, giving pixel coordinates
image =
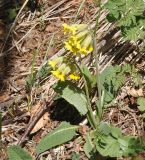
(90, 79)
(64, 133)
(72, 94)
(89, 146)
(17, 153)
(115, 144)
(116, 132)
(43, 71)
(108, 146)
(143, 115)
(104, 128)
(75, 156)
(141, 103)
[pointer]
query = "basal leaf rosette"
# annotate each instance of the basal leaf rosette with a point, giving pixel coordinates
(63, 68)
(79, 40)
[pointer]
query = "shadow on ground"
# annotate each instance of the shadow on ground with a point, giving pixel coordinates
(63, 111)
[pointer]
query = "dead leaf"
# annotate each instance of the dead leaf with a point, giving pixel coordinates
(4, 97)
(50, 28)
(135, 92)
(43, 120)
(31, 43)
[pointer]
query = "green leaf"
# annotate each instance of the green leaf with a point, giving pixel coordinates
(131, 145)
(116, 132)
(89, 146)
(31, 79)
(108, 146)
(141, 103)
(123, 144)
(107, 142)
(108, 96)
(75, 156)
(106, 83)
(43, 71)
(88, 76)
(17, 153)
(104, 128)
(64, 133)
(143, 115)
(113, 16)
(105, 75)
(12, 13)
(72, 94)
(114, 144)
(128, 16)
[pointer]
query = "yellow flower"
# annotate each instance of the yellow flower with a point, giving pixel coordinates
(85, 51)
(58, 75)
(86, 45)
(90, 49)
(63, 67)
(72, 29)
(72, 45)
(52, 63)
(80, 41)
(87, 41)
(62, 77)
(74, 76)
(55, 62)
(68, 46)
(69, 29)
(55, 73)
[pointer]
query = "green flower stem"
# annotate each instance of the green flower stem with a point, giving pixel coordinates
(95, 52)
(90, 116)
(100, 108)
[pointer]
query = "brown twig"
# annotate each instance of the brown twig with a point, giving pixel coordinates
(35, 119)
(11, 101)
(134, 118)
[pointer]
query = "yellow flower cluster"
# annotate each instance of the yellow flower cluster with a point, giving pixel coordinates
(63, 69)
(80, 39)
(79, 42)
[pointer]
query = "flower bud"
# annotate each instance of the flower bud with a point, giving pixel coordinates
(82, 34)
(80, 26)
(74, 76)
(55, 62)
(66, 70)
(87, 41)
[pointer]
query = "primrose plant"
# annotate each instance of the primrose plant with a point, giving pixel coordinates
(102, 138)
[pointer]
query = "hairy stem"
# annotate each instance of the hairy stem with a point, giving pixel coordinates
(90, 116)
(96, 55)
(90, 111)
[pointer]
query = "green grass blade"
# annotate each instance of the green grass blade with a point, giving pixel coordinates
(80, 8)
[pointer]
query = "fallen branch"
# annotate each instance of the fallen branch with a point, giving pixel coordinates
(35, 119)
